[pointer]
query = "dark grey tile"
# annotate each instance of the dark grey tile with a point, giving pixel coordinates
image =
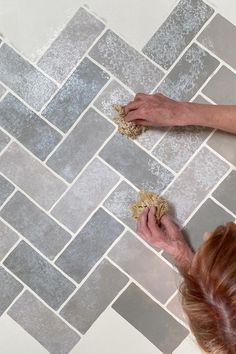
(126, 63)
(189, 74)
(94, 296)
(135, 164)
(42, 324)
(80, 145)
(150, 319)
(9, 289)
(23, 78)
(42, 231)
(177, 31)
(93, 241)
(2, 90)
(75, 95)
(175, 307)
(7, 239)
(24, 125)
(6, 189)
(225, 193)
(4, 140)
(39, 275)
(225, 144)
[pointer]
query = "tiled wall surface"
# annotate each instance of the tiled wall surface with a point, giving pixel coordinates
(75, 277)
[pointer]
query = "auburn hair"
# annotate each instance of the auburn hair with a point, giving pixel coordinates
(208, 292)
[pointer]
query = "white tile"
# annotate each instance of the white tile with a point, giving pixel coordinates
(188, 346)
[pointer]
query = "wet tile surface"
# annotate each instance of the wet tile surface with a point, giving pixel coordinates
(225, 193)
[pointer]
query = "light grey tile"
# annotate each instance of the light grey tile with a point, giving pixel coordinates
(145, 267)
(177, 31)
(126, 63)
(75, 95)
(200, 99)
(72, 43)
(85, 195)
(225, 144)
(42, 324)
(150, 319)
(151, 136)
(80, 145)
(217, 36)
(45, 280)
(9, 290)
(135, 164)
(194, 183)
(225, 193)
(175, 307)
(36, 226)
(4, 140)
(93, 241)
(24, 125)
(189, 74)
(2, 90)
(94, 296)
(30, 175)
(221, 88)
(6, 189)
(7, 239)
(23, 78)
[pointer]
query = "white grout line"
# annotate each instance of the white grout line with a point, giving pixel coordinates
(218, 155)
(207, 98)
(171, 298)
(9, 197)
(223, 206)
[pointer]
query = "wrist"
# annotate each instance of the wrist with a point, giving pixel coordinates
(182, 254)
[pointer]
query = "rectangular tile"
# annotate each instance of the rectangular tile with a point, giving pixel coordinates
(45, 280)
(225, 144)
(150, 319)
(4, 140)
(85, 195)
(24, 125)
(31, 84)
(2, 91)
(30, 175)
(175, 307)
(189, 345)
(194, 183)
(216, 37)
(94, 296)
(80, 145)
(36, 226)
(9, 290)
(75, 95)
(145, 267)
(42, 324)
(6, 189)
(189, 74)
(7, 239)
(135, 164)
(225, 193)
(177, 31)
(126, 63)
(71, 44)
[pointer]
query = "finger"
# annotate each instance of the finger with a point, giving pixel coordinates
(133, 115)
(167, 222)
(140, 96)
(132, 106)
(152, 219)
(143, 122)
(143, 224)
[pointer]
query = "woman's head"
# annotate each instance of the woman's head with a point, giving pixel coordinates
(209, 292)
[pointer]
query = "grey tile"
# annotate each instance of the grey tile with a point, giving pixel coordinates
(200, 99)
(94, 296)
(126, 63)
(36, 226)
(2, 90)
(93, 241)
(207, 218)
(39, 275)
(23, 78)
(195, 182)
(225, 144)
(80, 145)
(72, 43)
(4, 140)
(217, 36)
(177, 31)
(175, 307)
(222, 87)
(41, 323)
(6, 189)
(30, 175)
(189, 74)
(75, 95)
(7, 239)
(24, 125)
(150, 319)
(225, 193)
(145, 267)
(9, 290)
(135, 164)
(85, 195)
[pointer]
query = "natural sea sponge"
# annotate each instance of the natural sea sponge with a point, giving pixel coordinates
(147, 200)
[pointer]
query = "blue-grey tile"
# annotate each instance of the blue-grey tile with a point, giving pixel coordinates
(36, 226)
(23, 78)
(93, 241)
(2, 90)
(225, 144)
(177, 31)
(225, 193)
(6, 189)
(80, 145)
(189, 74)
(24, 125)
(126, 63)
(43, 324)
(4, 140)
(7, 239)
(136, 165)
(72, 43)
(94, 296)
(75, 95)
(9, 289)
(45, 280)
